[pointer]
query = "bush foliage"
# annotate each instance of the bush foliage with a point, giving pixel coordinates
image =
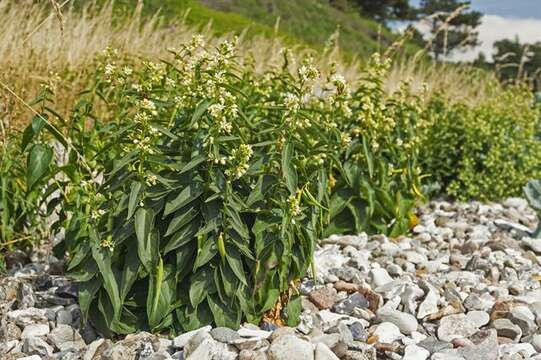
(192, 191)
(487, 151)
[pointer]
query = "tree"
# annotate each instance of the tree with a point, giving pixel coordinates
(452, 25)
(384, 10)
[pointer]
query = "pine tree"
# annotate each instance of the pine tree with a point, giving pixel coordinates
(452, 25)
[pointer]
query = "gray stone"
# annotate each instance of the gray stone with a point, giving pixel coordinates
(252, 355)
(323, 352)
(485, 346)
(33, 330)
(534, 244)
(37, 346)
(429, 305)
(64, 317)
(181, 340)
(524, 318)
(526, 350)
(414, 352)
(407, 323)
(455, 326)
(478, 318)
(380, 277)
(160, 355)
(25, 296)
(251, 343)
(358, 332)
(506, 328)
(31, 357)
(64, 337)
(536, 342)
(281, 331)
(209, 348)
(348, 305)
(224, 335)
(387, 332)
(254, 333)
(27, 316)
(331, 340)
(290, 347)
(434, 345)
(446, 356)
(92, 349)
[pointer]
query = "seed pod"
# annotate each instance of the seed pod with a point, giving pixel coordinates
(221, 246)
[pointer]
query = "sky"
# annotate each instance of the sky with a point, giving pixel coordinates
(504, 19)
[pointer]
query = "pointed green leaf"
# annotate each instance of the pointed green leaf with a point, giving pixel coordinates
(39, 158)
(288, 169)
(134, 198)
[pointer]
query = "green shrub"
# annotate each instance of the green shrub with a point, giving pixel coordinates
(487, 151)
(19, 207)
(194, 190)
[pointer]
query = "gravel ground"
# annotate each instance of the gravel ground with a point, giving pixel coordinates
(464, 285)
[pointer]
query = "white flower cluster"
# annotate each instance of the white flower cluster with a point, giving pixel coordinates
(239, 159)
(294, 206)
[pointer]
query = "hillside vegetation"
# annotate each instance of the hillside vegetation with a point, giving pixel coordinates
(302, 22)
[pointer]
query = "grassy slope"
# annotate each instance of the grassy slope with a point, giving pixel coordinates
(306, 22)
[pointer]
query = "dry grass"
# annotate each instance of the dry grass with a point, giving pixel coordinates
(456, 82)
(62, 50)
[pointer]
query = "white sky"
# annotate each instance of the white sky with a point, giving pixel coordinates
(495, 27)
(504, 19)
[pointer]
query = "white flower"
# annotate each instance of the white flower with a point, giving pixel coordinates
(109, 69)
(216, 110)
(151, 180)
(308, 72)
(291, 101)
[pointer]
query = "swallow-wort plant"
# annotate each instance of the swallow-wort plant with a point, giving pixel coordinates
(193, 190)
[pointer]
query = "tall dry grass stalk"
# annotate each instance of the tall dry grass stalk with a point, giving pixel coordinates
(456, 82)
(62, 50)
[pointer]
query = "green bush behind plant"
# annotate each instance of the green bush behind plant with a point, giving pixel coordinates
(194, 190)
(486, 151)
(19, 207)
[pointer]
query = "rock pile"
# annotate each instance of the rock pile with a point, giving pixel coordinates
(464, 285)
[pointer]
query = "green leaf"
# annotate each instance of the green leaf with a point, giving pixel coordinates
(199, 111)
(288, 169)
(205, 253)
(39, 158)
(294, 309)
(187, 195)
(369, 158)
(224, 315)
(33, 129)
(134, 198)
(87, 293)
(182, 236)
(193, 163)
(129, 274)
(236, 222)
(144, 222)
(201, 284)
(102, 256)
(181, 218)
(270, 299)
(234, 260)
(154, 296)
